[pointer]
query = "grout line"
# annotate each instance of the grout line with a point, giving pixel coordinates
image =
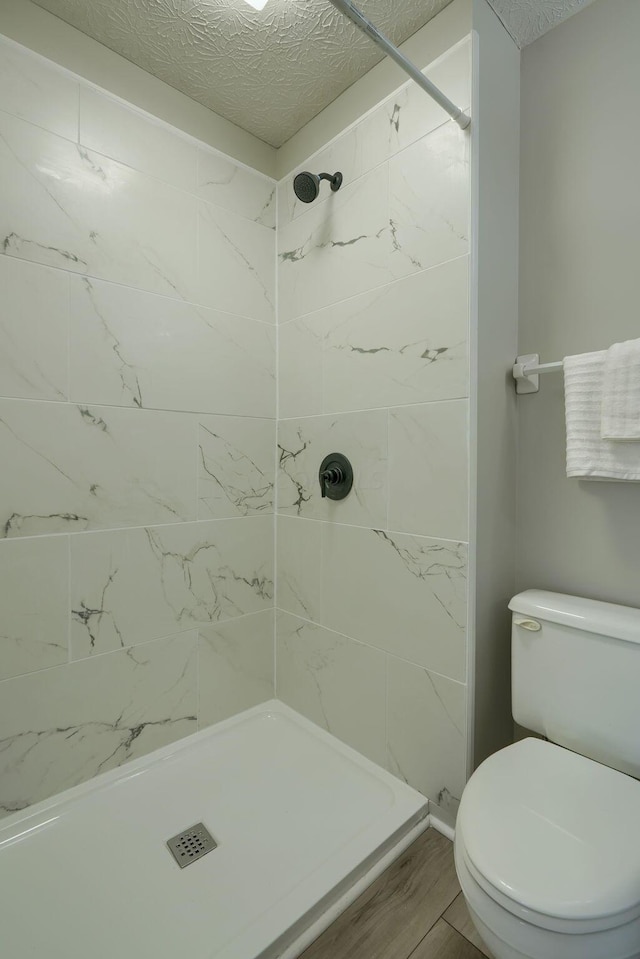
(197, 146)
(379, 649)
(198, 647)
(135, 409)
(198, 480)
(69, 591)
(138, 111)
(125, 529)
(373, 529)
(194, 304)
(370, 409)
(96, 657)
(388, 466)
(370, 290)
(386, 714)
(275, 447)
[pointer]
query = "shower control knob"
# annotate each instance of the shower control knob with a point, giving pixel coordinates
(335, 476)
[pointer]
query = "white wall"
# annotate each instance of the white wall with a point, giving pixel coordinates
(580, 209)
(137, 406)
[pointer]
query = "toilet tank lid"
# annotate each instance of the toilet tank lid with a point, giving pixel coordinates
(589, 615)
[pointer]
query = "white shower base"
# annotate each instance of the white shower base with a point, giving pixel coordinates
(298, 818)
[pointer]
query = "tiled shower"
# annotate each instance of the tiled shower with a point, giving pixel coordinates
(137, 433)
(373, 302)
(147, 588)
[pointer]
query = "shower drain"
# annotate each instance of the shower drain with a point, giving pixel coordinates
(192, 844)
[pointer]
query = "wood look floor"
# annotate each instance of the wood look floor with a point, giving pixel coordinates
(414, 909)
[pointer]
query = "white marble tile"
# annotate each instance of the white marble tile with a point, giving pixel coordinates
(318, 673)
(62, 726)
(404, 594)
(303, 444)
(122, 133)
(62, 205)
(339, 249)
(235, 666)
(131, 348)
(34, 322)
(403, 343)
(69, 468)
(132, 586)
(429, 469)
(236, 263)
(299, 566)
(34, 614)
(427, 734)
(234, 187)
(405, 216)
(357, 151)
(399, 121)
(35, 91)
(237, 466)
(300, 344)
(412, 114)
(429, 201)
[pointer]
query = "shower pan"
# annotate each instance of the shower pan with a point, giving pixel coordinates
(289, 821)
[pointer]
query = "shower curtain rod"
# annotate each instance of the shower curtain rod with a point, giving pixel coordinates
(349, 10)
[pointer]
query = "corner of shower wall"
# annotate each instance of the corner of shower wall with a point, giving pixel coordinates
(495, 145)
(373, 311)
(137, 431)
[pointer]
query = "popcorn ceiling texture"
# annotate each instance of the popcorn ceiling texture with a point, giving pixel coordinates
(526, 20)
(270, 72)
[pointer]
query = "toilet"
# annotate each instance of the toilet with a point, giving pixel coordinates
(547, 842)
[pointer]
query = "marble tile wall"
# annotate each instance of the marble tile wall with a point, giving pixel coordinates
(137, 432)
(373, 362)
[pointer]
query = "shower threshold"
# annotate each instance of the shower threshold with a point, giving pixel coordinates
(300, 824)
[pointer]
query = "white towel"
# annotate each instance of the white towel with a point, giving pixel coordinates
(621, 393)
(588, 455)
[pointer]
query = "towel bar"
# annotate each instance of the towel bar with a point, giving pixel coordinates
(526, 372)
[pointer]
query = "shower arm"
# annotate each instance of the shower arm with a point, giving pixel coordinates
(349, 10)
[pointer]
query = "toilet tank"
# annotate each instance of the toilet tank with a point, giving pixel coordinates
(575, 675)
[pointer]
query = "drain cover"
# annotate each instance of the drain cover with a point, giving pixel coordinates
(192, 844)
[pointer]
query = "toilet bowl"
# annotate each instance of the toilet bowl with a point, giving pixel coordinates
(544, 875)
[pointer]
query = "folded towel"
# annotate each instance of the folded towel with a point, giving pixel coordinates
(621, 393)
(588, 455)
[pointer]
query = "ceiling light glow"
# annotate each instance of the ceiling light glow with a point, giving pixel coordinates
(257, 4)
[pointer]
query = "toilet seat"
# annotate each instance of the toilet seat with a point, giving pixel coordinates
(529, 835)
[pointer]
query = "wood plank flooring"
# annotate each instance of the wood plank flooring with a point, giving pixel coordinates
(414, 909)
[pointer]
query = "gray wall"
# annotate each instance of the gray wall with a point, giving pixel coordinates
(494, 337)
(579, 258)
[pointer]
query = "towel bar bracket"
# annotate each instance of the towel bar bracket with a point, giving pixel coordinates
(526, 382)
(527, 369)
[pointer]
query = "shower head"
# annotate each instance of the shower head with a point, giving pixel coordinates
(307, 185)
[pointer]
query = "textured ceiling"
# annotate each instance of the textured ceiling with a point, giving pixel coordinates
(271, 71)
(526, 20)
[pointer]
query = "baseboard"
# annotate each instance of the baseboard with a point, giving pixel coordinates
(441, 827)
